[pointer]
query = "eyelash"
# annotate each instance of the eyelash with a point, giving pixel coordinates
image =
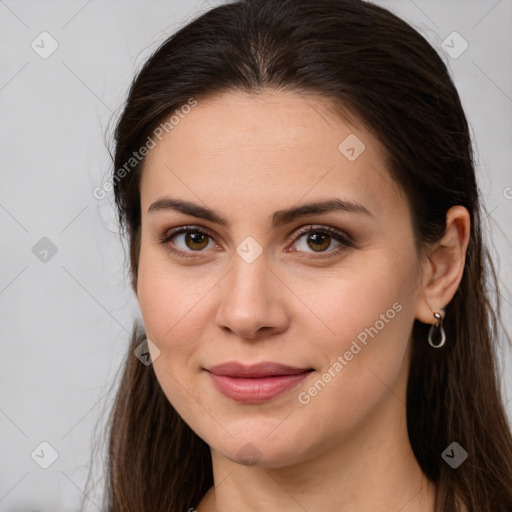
(346, 243)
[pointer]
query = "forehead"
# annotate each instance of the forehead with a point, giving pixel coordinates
(240, 147)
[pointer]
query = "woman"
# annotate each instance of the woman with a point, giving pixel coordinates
(297, 187)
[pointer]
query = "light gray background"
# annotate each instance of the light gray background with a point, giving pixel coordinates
(65, 323)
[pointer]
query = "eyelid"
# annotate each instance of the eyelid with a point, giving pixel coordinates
(171, 233)
(341, 236)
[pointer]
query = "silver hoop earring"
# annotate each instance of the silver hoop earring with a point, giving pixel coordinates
(437, 327)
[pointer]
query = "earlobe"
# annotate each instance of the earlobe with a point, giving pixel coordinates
(444, 265)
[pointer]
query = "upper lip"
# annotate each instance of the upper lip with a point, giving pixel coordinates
(265, 369)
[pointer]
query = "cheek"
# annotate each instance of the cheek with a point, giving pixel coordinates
(350, 301)
(171, 311)
(368, 313)
(171, 307)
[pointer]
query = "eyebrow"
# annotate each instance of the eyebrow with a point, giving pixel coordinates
(279, 218)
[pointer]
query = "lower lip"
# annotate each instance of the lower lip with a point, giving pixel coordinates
(255, 390)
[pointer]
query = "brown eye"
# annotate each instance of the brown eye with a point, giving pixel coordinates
(318, 242)
(186, 240)
(196, 240)
(320, 239)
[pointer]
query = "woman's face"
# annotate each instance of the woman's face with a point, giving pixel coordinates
(326, 298)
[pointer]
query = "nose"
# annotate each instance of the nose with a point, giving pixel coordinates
(252, 300)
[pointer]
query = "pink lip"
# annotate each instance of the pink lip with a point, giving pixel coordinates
(256, 383)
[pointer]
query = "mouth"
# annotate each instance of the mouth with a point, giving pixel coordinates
(256, 383)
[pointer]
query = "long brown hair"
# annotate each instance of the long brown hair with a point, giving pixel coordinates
(384, 73)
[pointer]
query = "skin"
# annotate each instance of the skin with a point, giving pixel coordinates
(245, 156)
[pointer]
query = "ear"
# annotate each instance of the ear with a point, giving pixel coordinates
(443, 265)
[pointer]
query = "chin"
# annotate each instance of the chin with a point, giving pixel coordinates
(253, 450)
